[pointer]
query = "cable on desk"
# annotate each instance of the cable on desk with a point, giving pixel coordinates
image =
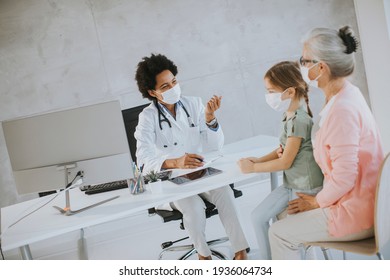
(1, 251)
(80, 173)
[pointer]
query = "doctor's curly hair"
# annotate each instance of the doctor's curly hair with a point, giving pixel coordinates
(147, 70)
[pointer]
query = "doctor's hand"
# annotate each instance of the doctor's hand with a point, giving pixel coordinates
(189, 161)
(303, 203)
(246, 165)
(213, 105)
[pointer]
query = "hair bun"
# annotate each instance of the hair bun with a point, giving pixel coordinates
(349, 40)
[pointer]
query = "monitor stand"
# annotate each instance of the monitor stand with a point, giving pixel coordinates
(67, 210)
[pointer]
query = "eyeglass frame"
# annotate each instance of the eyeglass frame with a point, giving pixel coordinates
(303, 61)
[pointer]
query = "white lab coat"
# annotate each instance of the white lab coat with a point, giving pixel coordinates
(154, 145)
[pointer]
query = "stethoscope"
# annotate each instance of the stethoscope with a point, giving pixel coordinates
(163, 118)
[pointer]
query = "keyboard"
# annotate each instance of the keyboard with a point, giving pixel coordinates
(105, 187)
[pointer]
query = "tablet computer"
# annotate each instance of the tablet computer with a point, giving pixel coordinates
(196, 175)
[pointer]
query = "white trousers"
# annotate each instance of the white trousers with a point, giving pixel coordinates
(274, 204)
(194, 218)
(288, 235)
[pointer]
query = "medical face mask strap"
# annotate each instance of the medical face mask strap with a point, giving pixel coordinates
(284, 104)
(305, 75)
(319, 75)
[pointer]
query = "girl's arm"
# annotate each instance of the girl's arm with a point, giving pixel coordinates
(271, 156)
(274, 163)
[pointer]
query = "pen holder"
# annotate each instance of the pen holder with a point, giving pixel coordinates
(136, 184)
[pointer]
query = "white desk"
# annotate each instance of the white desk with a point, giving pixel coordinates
(47, 222)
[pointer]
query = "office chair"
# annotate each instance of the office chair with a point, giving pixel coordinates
(130, 118)
(175, 215)
(374, 245)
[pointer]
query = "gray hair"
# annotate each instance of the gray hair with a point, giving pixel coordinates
(335, 48)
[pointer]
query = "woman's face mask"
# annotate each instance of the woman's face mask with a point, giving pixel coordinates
(172, 95)
(275, 101)
(305, 75)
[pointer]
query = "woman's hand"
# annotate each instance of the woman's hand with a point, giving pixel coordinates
(189, 161)
(246, 165)
(279, 151)
(213, 105)
(303, 203)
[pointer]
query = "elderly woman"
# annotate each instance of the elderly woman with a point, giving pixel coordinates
(347, 148)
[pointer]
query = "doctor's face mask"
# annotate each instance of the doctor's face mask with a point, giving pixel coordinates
(172, 95)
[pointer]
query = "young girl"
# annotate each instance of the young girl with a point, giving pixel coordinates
(287, 92)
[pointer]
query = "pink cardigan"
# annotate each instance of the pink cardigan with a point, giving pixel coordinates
(348, 149)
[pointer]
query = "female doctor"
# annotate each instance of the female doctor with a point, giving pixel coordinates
(172, 132)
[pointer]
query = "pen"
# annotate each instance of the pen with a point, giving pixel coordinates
(214, 159)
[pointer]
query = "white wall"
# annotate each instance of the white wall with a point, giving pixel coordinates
(375, 41)
(386, 4)
(58, 54)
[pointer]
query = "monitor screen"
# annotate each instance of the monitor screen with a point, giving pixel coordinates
(92, 138)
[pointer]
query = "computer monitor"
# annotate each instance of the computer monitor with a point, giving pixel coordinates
(45, 150)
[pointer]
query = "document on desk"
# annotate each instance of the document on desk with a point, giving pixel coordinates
(207, 160)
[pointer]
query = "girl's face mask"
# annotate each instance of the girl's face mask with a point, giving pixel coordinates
(275, 101)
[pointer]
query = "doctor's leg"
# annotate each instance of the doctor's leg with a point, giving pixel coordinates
(194, 221)
(223, 199)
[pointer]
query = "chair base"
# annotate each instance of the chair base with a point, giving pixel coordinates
(191, 250)
(365, 247)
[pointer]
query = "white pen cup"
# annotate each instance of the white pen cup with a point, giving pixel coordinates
(155, 187)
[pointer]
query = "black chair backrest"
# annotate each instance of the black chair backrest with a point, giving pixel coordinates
(130, 119)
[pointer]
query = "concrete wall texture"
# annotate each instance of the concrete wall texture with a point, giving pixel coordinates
(59, 54)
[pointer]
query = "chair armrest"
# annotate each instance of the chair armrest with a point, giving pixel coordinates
(236, 193)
